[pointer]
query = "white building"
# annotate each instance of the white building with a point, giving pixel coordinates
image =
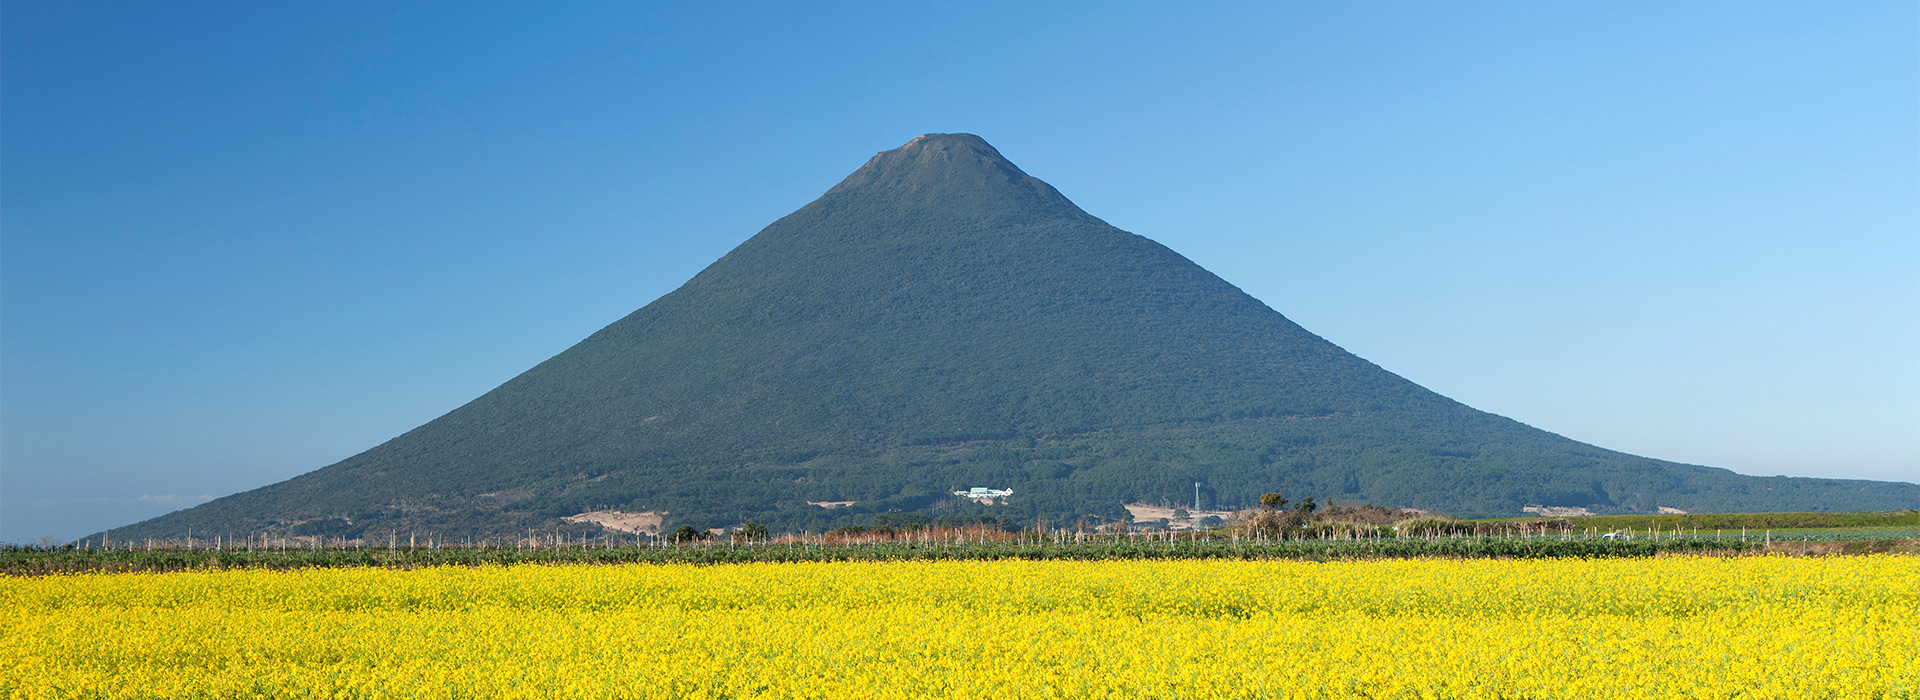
(984, 494)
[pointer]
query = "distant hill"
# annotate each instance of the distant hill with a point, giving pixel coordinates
(941, 320)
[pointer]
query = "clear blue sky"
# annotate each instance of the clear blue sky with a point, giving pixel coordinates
(241, 241)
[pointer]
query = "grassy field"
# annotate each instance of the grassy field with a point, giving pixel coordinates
(1670, 627)
(1707, 522)
(1793, 527)
(1846, 534)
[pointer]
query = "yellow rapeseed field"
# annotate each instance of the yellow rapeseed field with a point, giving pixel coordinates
(1744, 627)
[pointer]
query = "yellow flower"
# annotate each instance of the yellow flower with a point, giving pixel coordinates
(1747, 627)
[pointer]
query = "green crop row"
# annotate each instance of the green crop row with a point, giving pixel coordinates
(32, 561)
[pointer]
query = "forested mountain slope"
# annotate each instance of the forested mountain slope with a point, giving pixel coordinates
(941, 320)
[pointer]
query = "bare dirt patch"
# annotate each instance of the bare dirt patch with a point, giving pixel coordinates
(1144, 513)
(647, 523)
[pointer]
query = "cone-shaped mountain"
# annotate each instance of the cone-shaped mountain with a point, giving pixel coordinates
(941, 320)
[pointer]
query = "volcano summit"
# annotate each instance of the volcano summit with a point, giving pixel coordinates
(939, 321)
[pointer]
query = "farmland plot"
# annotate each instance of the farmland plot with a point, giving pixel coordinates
(1675, 627)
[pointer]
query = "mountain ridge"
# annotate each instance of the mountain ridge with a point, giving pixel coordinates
(940, 319)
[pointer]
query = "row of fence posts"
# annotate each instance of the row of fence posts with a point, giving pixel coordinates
(923, 537)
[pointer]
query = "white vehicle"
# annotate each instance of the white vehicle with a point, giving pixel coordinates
(1617, 536)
